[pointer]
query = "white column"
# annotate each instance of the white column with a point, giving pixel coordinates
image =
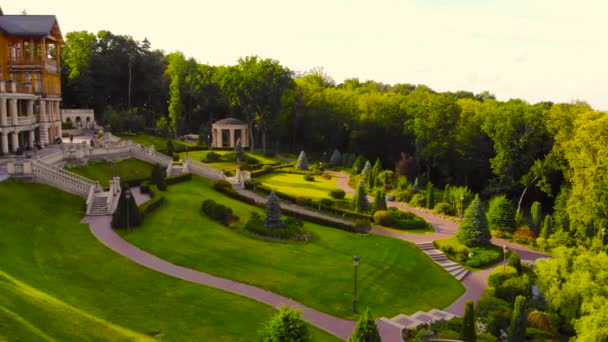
(30, 108)
(42, 110)
(12, 110)
(5, 143)
(245, 137)
(32, 137)
(15, 141)
(3, 119)
(220, 138)
(232, 137)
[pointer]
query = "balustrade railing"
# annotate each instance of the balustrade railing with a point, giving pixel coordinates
(204, 170)
(63, 179)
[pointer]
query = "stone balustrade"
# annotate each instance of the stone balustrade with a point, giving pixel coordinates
(203, 169)
(65, 180)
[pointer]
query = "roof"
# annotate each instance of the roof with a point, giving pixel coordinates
(230, 121)
(28, 25)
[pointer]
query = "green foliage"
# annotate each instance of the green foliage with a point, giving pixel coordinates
(309, 178)
(430, 196)
(473, 230)
(337, 194)
(292, 230)
(302, 163)
(467, 333)
(517, 329)
(443, 208)
(384, 218)
(273, 213)
(514, 261)
(524, 236)
(386, 177)
(536, 218)
(170, 148)
(513, 287)
(287, 325)
(127, 214)
(361, 202)
(494, 312)
(418, 200)
(182, 177)
(213, 157)
(366, 172)
(158, 177)
(218, 212)
(501, 214)
(362, 226)
(336, 158)
(379, 200)
(366, 329)
(547, 224)
(222, 184)
(359, 164)
(375, 172)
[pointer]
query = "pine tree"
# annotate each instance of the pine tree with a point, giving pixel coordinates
(547, 225)
(239, 155)
(473, 230)
(119, 218)
(536, 217)
(302, 163)
(379, 200)
(365, 173)
(273, 213)
(361, 203)
(517, 329)
(501, 214)
(430, 196)
(446, 194)
(158, 177)
(358, 165)
(467, 333)
(376, 170)
(287, 325)
(336, 158)
(366, 329)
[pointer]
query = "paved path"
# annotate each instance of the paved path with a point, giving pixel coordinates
(476, 282)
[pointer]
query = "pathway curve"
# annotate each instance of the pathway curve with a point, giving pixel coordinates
(476, 282)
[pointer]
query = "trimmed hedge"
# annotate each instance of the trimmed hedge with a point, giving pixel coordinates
(218, 212)
(184, 177)
(154, 203)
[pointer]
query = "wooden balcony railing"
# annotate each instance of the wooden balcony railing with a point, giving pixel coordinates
(25, 60)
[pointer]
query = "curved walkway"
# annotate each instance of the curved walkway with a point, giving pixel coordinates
(476, 282)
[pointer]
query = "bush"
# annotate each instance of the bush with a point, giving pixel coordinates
(337, 194)
(514, 261)
(158, 177)
(309, 178)
(482, 257)
(302, 163)
(362, 226)
(418, 201)
(366, 329)
(218, 212)
(287, 325)
(127, 215)
(524, 236)
(501, 214)
(500, 274)
(67, 125)
(155, 201)
(443, 208)
(144, 187)
(222, 184)
(384, 218)
(473, 230)
(513, 287)
(326, 202)
(213, 156)
(390, 197)
(292, 229)
(184, 177)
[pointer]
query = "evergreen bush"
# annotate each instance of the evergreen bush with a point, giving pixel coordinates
(218, 212)
(213, 156)
(536, 217)
(287, 325)
(273, 213)
(239, 155)
(337, 194)
(119, 218)
(302, 163)
(170, 148)
(501, 214)
(430, 196)
(417, 201)
(467, 333)
(158, 177)
(379, 200)
(375, 172)
(443, 209)
(358, 165)
(336, 158)
(366, 329)
(514, 261)
(309, 178)
(547, 225)
(473, 230)
(517, 329)
(361, 202)
(384, 218)
(365, 173)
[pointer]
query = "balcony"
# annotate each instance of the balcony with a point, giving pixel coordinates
(33, 62)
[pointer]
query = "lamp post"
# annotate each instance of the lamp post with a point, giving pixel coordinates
(356, 261)
(505, 249)
(128, 197)
(461, 206)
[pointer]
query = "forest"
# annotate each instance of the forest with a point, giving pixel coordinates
(544, 155)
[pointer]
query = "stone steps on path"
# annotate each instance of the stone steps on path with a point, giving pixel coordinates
(99, 206)
(456, 270)
(402, 321)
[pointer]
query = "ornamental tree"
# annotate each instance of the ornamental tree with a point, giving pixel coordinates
(501, 214)
(361, 203)
(430, 196)
(287, 325)
(376, 170)
(366, 329)
(302, 163)
(536, 217)
(336, 158)
(473, 230)
(517, 329)
(158, 177)
(366, 172)
(119, 218)
(379, 200)
(467, 332)
(273, 213)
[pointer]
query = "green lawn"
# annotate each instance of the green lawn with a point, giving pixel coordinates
(58, 283)
(394, 276)
(159, 143)
(294, 184)
(227, 165)
(126, 169)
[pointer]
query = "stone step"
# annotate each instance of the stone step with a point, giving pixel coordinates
(406, 321)
(437, 257)
(451, 267)
(438, 314)
(460, 274)
(423, 317)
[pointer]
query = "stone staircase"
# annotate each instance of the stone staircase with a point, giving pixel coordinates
(3, 177)
(402, 321)
(442, 260)
(100, 205)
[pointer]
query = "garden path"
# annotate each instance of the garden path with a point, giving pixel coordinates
(476, 282)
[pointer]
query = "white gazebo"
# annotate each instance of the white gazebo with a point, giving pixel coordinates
(226, 132)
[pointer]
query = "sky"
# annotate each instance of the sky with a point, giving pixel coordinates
(536, 50)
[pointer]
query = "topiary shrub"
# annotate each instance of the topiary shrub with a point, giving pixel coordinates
(120, 216)
(222, 184)
(366, 329)
(213, 156)
(302, 163)
(418, 201)
(467, 333)
(443, 208)
(158, 177)
(430, 196)
(473, 230)
(379, 200)
(362, 226)
(536, 218)
(384, 218)
(273, 213)
(501, 214)
(361, 202)
(218, 212)
(309, 178)
(337, 194)
(287, 325)
(514, 261)
(326, 202)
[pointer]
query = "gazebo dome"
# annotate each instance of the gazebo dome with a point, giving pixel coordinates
(230, 122)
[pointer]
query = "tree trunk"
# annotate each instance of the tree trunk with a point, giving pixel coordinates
(521, 198)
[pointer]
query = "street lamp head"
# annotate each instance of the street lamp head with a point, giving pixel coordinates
(356, 260)
(505, 248)
(128, 194)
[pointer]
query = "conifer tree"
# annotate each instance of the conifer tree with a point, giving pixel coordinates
(379, 200)
(302, 163)
(501, 214)
(376, 170)
(336, 158)
(239, 155)
(547, 225)
(358, 165)
(287, 325)
(517, 329)
(536, 217)
(473, 230)
(273, 213)
(366, 329)
(170, 148)
(430, 196)
(467, 332)
(119, 218)
(365, 173)
(361, 203)
(158, 177)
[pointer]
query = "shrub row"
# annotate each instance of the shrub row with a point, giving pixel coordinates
(184, 177)
(218, 212)
(155, 201)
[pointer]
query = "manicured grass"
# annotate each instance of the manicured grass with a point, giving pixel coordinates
(58, 283)
(159, 143)
(127, 170)
(227, 165)
(394, 276)
(473, 258)
(294, 184)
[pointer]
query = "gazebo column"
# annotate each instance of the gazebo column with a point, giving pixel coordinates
(220, 138)
(15, 141)
(4, 142)
(232, 137)
(245, 137)
(32, 138)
